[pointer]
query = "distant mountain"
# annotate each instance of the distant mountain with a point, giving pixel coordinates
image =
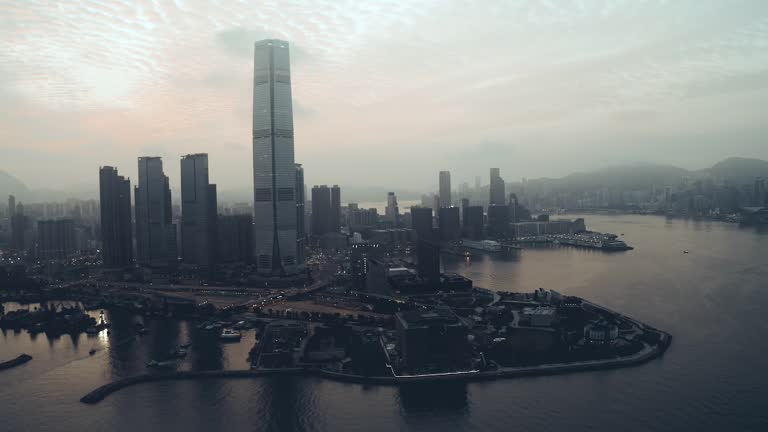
(739, 169)
(10, 185)
(644, 175)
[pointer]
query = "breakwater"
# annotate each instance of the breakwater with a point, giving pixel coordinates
(20, 360)
(646, 354)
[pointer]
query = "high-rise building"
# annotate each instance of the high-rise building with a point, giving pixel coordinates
(472, 224)
(19, 227)
(428, 259)
(322, 219)
(11, 206)
(301, 234)
(235, 238)
(445, 189)
(497, 195)
(56, 239)
(392, 211)
(116, 227)
(335, 221)
(198, 212)
(450, 224)
(155, 232)
(274, 169)
(421, 221)
(498, 221)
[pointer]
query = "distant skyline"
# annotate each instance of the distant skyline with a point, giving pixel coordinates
(385, 94)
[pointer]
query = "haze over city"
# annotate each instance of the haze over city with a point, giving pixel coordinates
(385, 93)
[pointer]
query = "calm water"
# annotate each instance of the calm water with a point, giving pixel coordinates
(713, 300)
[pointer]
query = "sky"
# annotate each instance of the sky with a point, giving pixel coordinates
(386, 93)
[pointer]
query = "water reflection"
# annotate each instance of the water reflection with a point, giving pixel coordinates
(437, 397)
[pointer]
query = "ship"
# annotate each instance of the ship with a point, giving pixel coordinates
(483, 245)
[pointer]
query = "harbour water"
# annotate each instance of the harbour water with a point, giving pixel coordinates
(712, 300)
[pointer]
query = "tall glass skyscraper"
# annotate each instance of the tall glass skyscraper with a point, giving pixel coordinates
(198, 212)
(274, 172)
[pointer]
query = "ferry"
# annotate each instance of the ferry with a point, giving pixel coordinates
(230, 335)
(483, 245)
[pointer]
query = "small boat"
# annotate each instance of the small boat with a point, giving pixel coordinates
(142, 331)
(92, 351)
(155, 363)
(685, 251)
(185, 345)
(230, 335)
(178, 353)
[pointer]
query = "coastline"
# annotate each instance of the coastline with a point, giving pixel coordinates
(646, 354)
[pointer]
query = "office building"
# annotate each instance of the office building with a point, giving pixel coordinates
(428, 259)
(450, 223)
(323, 213)
(498, 221)
(445, 189)
(55, 239)
(392, 211)
(198, 212)
(421, 222)
(497, 195)
(155, 232)
(274, 169)
(19, 228)
(116, 226)
(301, 232)
(335, 215)
(235, 238)
(472, 223)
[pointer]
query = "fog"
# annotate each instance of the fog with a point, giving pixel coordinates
(386, 94)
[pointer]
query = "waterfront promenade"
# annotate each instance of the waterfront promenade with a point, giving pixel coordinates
(646, 354)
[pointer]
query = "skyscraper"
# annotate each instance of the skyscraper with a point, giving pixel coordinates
(335, 209)
(421, 222)
(445, 188)
(198, 212)
(450, 225)
(116, 227)
(321, 210)
(11, 206)
(274, 170)
(155, 234)
(497, 195)
(301, 235)
(392, 211)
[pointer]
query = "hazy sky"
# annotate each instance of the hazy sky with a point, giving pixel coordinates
(386, 93)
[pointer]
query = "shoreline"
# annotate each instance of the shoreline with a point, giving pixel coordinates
(647, 354)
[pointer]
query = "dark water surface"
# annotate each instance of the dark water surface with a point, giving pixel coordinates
(713, 300)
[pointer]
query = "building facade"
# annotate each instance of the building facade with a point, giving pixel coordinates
(116, 226)
(198, 212)
(155, 232)
(274, 169)
(445, 189)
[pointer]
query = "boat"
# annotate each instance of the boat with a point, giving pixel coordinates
(142, 331)
(178, 353)
(483, 245)
(155, 363)
(92, 351)
(230, 335)
(685, 251)
(185, 345)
